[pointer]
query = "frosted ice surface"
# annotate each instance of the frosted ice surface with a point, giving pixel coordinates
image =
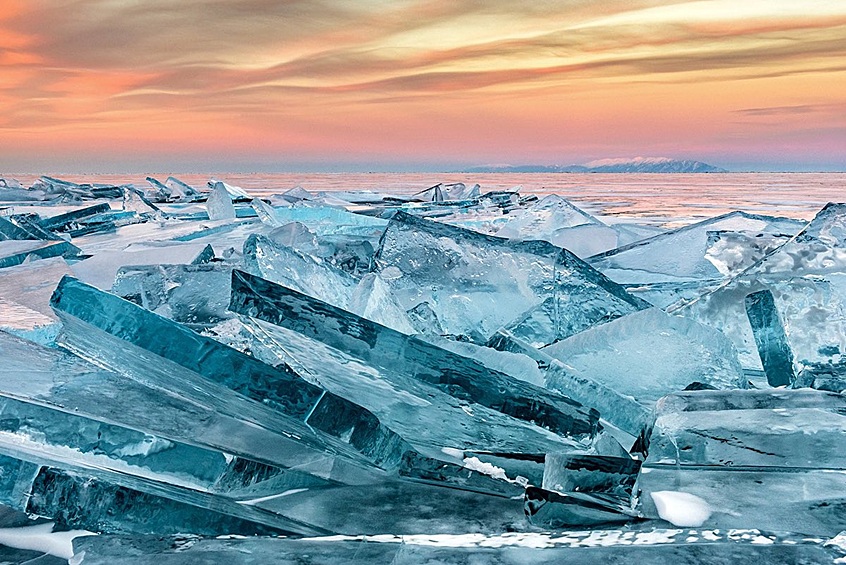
(31, 284)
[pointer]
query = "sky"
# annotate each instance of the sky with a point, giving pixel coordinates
(408, 85)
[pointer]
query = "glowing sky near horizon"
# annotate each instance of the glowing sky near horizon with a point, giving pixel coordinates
(100, 85)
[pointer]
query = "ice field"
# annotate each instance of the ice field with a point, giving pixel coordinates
(375, 368)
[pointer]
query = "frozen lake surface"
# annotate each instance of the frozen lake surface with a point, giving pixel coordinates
(657, 199)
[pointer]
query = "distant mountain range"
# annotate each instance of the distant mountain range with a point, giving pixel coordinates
(635, 165)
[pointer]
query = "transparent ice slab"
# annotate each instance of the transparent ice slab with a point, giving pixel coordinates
(408, 357)
(322, 219)
(683, 254)
(648, 354)
(643, 546)
(559, 222)
(476, 284)
(63, 382)
(70, 220)
(198, 367)
(613, 477)
(15, 252)
(762, 428)
(188, 294)
(32, 429)
(21, 227)
(436, 424)
(807, 279)
(773, 348)
(219, 203)
(102, 501)
(756, 458)
(554, 510)
(306, 273)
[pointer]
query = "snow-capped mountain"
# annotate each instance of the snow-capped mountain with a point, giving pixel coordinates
(630, 165)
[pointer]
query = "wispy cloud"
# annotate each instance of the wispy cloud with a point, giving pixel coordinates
(96, 63)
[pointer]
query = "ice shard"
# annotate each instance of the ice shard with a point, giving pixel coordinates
(135, 201)
(31, 428)
(438, 425)
(322, 220)
(373, 300)
(10, 183)
(60, 381)
(21, 227)
(555, 510)
(123, 336)
(649, 354)
(180, 191)
(682, 254)
(559, 222)
(189, 294)
(70, 220)
(76, 498)
(15, 252)
(773, 348)
(755, 458)
(610, 477)
(235, 192)
(807, 279)
(219, 203)
(157, 192)
(303, 272)
(477, 284)
(408, 356)
(197, 358)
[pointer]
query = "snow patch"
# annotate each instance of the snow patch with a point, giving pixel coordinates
(42, 538)
(681, 508)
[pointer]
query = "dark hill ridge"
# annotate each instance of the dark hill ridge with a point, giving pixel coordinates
(636, 165)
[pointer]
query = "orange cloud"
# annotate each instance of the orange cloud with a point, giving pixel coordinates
(422, 80)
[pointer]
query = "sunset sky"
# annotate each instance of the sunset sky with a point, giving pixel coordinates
(331, 85)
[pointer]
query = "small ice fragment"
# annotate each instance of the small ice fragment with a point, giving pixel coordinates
(681, 508)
